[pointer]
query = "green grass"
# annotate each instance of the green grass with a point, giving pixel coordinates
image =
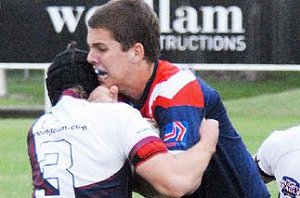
(15, 175)
(254, 118)
(23, 91)
(238, 87)
(264, 113)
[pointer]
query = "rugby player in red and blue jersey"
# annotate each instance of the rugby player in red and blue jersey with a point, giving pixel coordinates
(123, 37)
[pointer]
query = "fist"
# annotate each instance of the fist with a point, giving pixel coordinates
(104, 94)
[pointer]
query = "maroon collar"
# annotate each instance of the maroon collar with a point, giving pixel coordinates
(70, 92)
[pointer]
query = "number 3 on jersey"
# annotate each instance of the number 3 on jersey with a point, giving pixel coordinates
(55, 160)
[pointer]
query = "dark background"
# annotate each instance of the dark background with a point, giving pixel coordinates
(272, 32)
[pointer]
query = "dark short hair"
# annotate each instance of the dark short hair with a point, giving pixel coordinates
(130, 21)
(70, 69)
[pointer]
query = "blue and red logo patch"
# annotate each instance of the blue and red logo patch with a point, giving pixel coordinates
(290, 187)
(175, 133)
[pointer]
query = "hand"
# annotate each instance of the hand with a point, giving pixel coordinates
(209, 133)
(104, 94)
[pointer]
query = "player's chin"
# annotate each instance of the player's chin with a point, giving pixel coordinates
(102, 79)
(107, 82)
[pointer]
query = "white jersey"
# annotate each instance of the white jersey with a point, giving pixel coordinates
(79, 149)
(279, 156)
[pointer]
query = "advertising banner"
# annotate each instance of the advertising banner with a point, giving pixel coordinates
(192, 31)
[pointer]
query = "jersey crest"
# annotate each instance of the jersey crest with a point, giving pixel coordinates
(175, 133)
(290, 187)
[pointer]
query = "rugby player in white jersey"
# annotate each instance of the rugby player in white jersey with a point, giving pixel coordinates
(87, 149)
(278, 158)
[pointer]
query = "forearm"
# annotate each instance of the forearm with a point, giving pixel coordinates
(189, 167)
(141, 186)
(179, 174)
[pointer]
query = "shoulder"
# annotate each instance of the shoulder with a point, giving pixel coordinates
(273, 139)
(169, 73)
(43, 127)
(279, 143)
(118, 109)
(284, 136)
(171, 80)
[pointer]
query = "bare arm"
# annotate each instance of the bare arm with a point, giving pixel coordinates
(177, 175)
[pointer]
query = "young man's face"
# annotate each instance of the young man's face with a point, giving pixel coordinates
(107, 56)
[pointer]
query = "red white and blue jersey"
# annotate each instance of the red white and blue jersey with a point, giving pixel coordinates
(173, 91)
(178, 101)
(82, 149)
(278, 157)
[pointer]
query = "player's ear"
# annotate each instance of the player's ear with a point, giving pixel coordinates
(137, 53)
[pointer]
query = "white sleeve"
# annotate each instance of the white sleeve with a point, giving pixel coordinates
(134, 128)
(266, 155)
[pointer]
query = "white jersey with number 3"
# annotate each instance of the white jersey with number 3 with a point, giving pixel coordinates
(279, 156)
(79, 149)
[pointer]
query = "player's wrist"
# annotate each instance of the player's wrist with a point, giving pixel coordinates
(207, 148)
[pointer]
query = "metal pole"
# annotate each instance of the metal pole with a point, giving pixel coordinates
(2, 82)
